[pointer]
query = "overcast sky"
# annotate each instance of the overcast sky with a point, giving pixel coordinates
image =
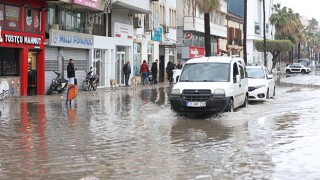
(309, 8)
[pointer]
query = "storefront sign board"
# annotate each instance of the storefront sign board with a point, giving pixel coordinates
(70, 39)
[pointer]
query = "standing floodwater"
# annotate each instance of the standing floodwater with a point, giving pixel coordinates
(133, 134)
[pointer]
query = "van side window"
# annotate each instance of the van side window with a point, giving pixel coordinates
(242, 72)
(235, 72)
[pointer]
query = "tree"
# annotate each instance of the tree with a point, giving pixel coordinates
(245, 31)
(264, 33)
(275, 47)
(206, 7)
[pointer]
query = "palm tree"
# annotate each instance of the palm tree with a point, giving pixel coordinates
(206, 7)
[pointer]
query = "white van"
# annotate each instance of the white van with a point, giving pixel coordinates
(211, 84)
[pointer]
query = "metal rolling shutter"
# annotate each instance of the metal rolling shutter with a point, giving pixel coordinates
(79, 57)
(51, 64)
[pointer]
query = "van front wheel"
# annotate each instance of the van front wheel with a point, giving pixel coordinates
(230, 107)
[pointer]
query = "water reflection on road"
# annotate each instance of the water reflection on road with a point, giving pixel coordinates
(133, 134)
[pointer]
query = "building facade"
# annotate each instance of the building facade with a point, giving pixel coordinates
(22, 36)
(70, 34)
(235, 35)
(254, 26)
(190, 33)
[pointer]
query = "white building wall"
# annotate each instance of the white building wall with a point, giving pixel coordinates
(253, 56)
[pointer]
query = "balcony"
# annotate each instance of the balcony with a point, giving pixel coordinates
(198, 25)
(143, 7)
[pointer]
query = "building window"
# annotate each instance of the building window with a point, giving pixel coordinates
(150, 55)
(173, 18)
(9, 62)
(32, 20)
(10, 17)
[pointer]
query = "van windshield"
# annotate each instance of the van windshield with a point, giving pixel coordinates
(205, 72)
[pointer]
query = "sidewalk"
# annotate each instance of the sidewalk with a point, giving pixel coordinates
(309, 80)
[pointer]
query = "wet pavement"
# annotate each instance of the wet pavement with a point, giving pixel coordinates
(133, 134)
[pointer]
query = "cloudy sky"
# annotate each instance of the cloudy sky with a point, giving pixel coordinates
(309, 8)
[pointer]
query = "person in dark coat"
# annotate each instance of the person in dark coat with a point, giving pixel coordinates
(154, 70)
(144, 70)
(169, 70)
(71, 72)
(179, 65)
(127, 71)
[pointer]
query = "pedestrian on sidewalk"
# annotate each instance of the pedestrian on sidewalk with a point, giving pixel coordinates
(169, 70)
(127, 71)
(179, 65)
(71, 72)
(154, 70)
(144, 70)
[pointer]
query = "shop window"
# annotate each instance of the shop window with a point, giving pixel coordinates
(9, 17)
(150, 48)
(9, 62)
(32, 20)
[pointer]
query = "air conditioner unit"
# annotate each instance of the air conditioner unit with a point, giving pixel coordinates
(137, 22)
(165, 29)
(55, 26)
(148, 23)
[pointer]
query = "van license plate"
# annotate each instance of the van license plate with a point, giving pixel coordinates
(196, 104)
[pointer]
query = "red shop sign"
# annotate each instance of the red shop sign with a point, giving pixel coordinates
(196, 52)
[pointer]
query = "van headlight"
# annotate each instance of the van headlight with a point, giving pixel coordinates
(175, 91)
(219, 92)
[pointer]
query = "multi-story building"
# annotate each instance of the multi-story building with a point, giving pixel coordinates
(190, 26)
(155, 36)
(22, 36)
(235, 35)
(105, 34)
(254, 26)
(71, 32)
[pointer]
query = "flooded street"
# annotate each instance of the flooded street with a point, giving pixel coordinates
(133, 134)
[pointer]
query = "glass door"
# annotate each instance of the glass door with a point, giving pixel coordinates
(120, 61)
(97, 66)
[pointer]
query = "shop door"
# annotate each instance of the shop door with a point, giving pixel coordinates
(32, 73)
(97, 66)
(161, 69)
(120, 60)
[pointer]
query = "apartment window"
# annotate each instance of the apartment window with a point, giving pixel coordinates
(162, 15)
(10, 18)
(51, 16)
(172, 18)
(32, 23)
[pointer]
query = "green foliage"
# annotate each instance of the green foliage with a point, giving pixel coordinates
(274, 45)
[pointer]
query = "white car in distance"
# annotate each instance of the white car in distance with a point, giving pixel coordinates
(261, 85)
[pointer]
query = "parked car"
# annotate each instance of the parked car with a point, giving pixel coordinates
(210, 85)
(261, 85)
(297, 68)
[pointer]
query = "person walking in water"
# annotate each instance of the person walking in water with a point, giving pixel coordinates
(169, 70)
(127, 71)
(144, 70)
(154, 70)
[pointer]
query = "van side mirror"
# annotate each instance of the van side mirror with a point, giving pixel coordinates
(237, 78)
(269, 76)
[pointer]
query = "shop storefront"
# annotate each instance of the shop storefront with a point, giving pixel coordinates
(123, 34)
(22, 48)
(63, 46)
(195, 52)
